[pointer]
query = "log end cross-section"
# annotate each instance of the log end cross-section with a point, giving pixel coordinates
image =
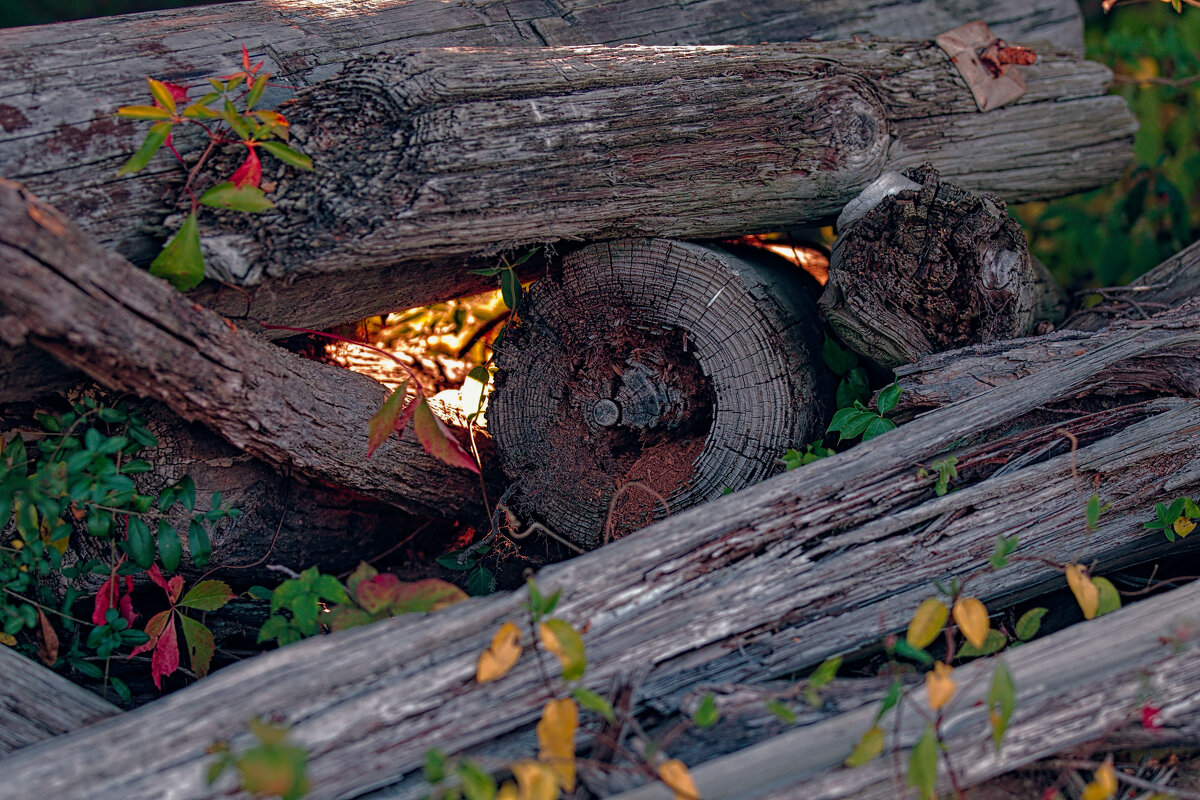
(652, 367)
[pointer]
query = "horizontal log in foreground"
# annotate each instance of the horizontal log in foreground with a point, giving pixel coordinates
(38, 704)
(130, 331)
(822, 560)
(1072, 687)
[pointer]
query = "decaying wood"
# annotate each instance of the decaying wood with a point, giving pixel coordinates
(821, 560)
(1167, 285)
(37, 704)
(930, 268)
(684, 370)
(1072, 687)
(427, 161)
(131, 332)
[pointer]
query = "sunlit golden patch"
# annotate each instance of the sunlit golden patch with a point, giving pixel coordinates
(810, 258)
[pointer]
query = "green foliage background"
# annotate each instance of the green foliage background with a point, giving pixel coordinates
(1101, 238)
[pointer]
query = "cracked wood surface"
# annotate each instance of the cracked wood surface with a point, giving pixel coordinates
(821, 560)
(94, 310)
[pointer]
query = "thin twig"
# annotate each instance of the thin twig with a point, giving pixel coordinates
(1132, 780)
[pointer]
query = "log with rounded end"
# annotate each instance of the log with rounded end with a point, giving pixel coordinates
(933, 268)
(667, 368)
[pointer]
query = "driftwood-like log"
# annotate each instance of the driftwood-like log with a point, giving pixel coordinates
(650, 375)
(1072, 687)
(930, 267)
(426, 161)
(94, 310)
(1165, 286)
(37, 704)
(821, 560)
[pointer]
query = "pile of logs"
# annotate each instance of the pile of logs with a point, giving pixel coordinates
(490, 127)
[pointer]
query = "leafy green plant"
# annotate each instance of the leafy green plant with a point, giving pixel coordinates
(858, 420)
(510, 282)
(272, 767)
(946, 469)
(1177, 519)
(216, 112)
(480, 580)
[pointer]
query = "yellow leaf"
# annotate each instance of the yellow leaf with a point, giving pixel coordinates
(8, 639)
(1183, 526)
(677, 778)
(560, 638)
(868, 747)
(972, 618)
(939, 685)
(556, 738)
(501, 656)
(536, 781)
(1086, 593)
(927, 623)
(1103, 785)
(507, 792)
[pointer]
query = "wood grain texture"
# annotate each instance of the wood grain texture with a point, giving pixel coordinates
(1072, 687)
(37, 704)
(683, 344)
(92, 309)
(818, 561)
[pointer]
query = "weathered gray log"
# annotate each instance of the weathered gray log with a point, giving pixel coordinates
(921, 266)
(821, 560)
(130, 331)
(1072, 687)
(1167, 285)
(946, 378)
(683, 370)
(37, 704)
(446, 155)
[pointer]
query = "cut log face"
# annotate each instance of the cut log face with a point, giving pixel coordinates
(651, 371)
(930, 269)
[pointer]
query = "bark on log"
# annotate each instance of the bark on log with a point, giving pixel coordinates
(132, 332)
(648, 376)
(430, 160)
(37, 704)
(1167, 285)
(1073, 687)
(928, 267)
(818, 561)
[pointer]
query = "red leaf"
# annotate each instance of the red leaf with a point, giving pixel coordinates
(178, 93)
(154, 629)
(156, 576)
(250, 172)
(439, 440)
(1150, 717)
(174, 587)
(394, 416)
(110, 596)
(166, 654)
(376, 594)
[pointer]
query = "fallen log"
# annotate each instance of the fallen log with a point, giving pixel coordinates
(94, 310)
(1072, 687)
(821, 560)
(37, 704)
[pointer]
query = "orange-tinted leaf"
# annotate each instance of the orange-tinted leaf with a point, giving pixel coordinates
(8, 639)
(438, 439)
(560, 638)
(501, 656)
(143, 112)
(394, 416)
(1086, 593)
(249, 173)
(927, 623)
(200, 644)
(939, 685)
(675, 775)
(972, 618)
(154, 629)
(556, 740)
(535, 780)
(47, 640)
(423, 596)
(1103, 785)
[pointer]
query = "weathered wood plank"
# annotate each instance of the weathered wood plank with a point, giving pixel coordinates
(37, 704)
(777, 577)
(94, 310)
(1073, 687)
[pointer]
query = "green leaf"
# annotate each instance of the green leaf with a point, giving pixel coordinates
(121, 688)
(249, 199)
(1002, 700)
(477, 784)
(1190, 509)
(49, 422)
(594, 702)
(140, 544)
(781, 711)
(207, 596)
(903, 648)
(1029, 623)
(170, 549)
(256, 91)
(868, 747)
(435, 766)
(877, 426)
(824, 674)
(330, 588)
(853, 387)
(481, 582)
(994, 643)
(888, 398)
(137, 467)
(99, 523)
(438, 440)
(200, 644)
(181, 261)
(143, 112)
(510, 289)
(1092, 512)
(274, 628)
(894, 693)
(706, 714)
(839, 360)
(234, 120)
(1110, 598)
(154, 140)
(199, 545)
(287, 155)
(922, 765)
(393, 416)
(561, 638)
(849, 423)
